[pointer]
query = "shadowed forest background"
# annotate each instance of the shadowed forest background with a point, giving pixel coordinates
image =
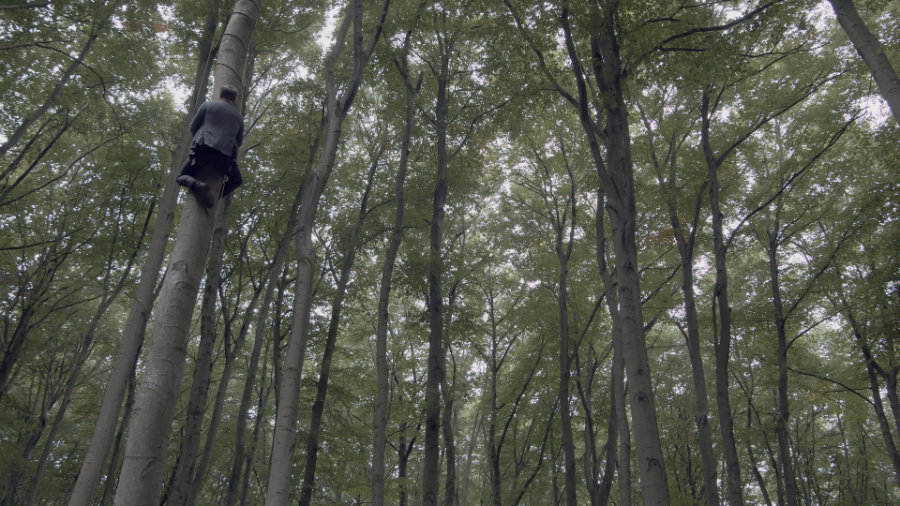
(486, 252)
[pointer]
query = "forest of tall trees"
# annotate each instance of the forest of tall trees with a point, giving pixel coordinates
(486, 252)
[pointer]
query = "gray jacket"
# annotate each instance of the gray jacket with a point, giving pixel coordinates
(218, 125)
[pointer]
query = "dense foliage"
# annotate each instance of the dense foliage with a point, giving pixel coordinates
(761, 152)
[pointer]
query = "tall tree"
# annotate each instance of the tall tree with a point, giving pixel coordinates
(336, 110)
(136, 323)
(145, 449)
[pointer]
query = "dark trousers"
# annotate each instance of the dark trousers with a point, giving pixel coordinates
(203, 155)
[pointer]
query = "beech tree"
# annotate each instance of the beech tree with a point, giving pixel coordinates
(537, 253)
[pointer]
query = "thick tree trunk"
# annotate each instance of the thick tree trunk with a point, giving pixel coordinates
(193, 426)
(623, 218)
(871, 51)
(284, 439)
(723, 344)
(136, 323)
(151, 424)
(145, 449)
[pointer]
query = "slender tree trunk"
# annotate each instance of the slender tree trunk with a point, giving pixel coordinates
(473, 439)
(318, 408)
(436, 358)
(403, 451)
(872, 369)
(871, 51)
(782, 414)
(618, 424)
(448, 429)
(264, 391)
(83, 352)
(136, 323)
(284, 439)
(568, 442)
(145, 449)
(380, 415)
(723, 343)
(231, 351)
(109, 486)
(692, 336)
(590, 460)
(259, 333)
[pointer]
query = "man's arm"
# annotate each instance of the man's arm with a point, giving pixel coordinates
(197, 122)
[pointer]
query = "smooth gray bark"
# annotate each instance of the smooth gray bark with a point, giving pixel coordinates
(193, 426)
(871, 51)
(136, 323)
(145, 449)
(148, 436)
(318, 407)
(337, 108)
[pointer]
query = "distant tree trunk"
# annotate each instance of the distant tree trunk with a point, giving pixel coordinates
(145, 450)
(379, 417)
(618, 423)
(263, 395)
(590, 460)
(473, 438)
(337, 109)
(403, 451)
(115, 463)
(448, 428)
(720, 301)
(871, 51)
(436, 358)
(318, 407)
(136, 323)
(782, 413)
(275, 268)
(84, 349)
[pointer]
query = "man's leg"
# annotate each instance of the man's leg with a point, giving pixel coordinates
(198, 188)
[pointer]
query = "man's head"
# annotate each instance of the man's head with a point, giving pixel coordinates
(228, 93)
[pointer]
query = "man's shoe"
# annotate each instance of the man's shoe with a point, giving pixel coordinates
(199, 189)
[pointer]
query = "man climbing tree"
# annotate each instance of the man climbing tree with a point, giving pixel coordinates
(218, 130)
(144, 463)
